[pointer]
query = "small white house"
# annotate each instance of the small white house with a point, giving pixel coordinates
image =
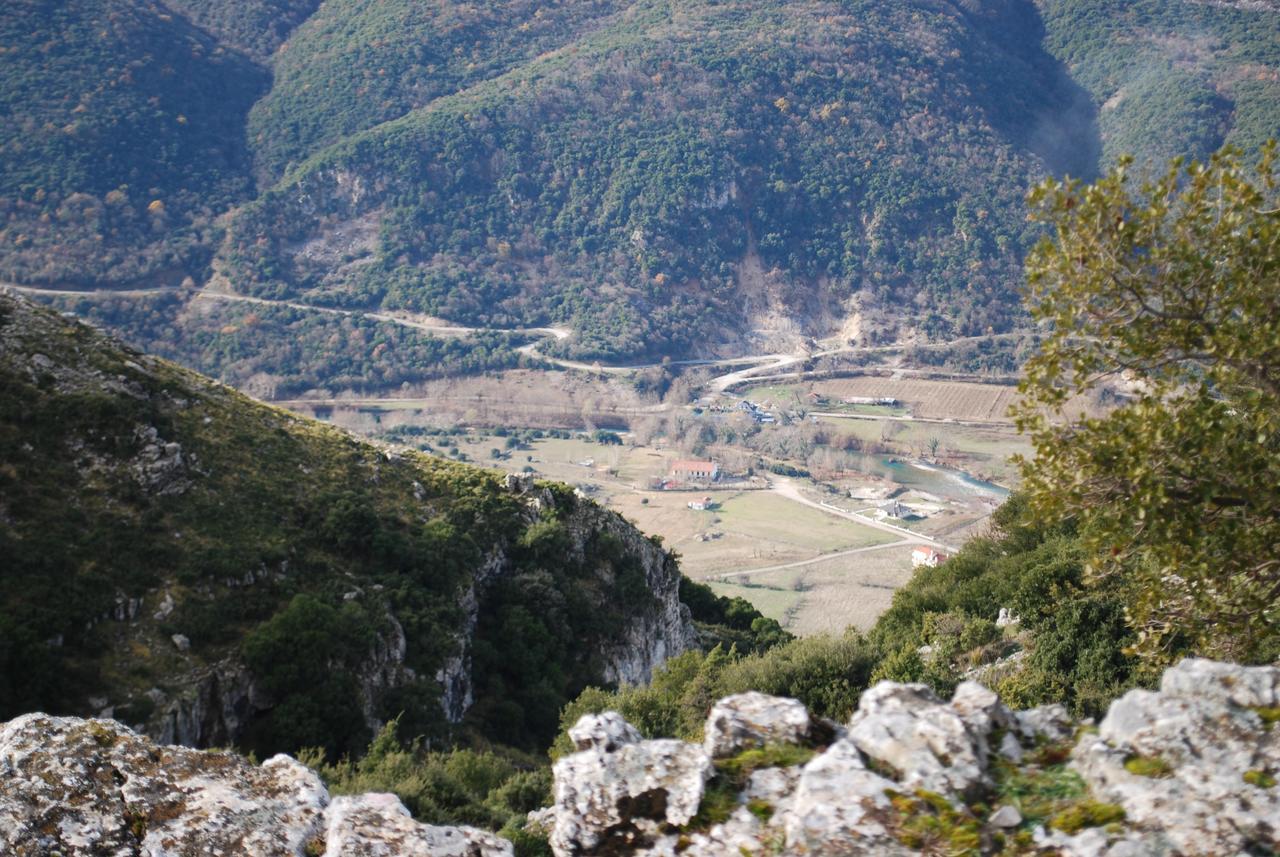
(927, 556)
(897, 510)
(702, 504)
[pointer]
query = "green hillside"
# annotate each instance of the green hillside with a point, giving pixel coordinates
(356, 65)
(220, 571)
(874, 149)
(1172, 77)
(665, 176)
(255, 27)
(121, 141)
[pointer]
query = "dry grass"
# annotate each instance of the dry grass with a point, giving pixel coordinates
(942, 400)
(832, 594)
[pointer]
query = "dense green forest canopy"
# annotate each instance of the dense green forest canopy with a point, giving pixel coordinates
(1172, 79)
(122, 139)
(660, 175)
(844, 148)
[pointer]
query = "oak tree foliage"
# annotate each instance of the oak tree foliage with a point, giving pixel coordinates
(1168, 290)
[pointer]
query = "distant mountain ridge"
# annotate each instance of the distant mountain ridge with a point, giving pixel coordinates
(664, 177)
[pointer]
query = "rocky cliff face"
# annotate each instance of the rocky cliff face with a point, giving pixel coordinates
(1189, 769)
(655, 632)
(651, 634)
(213, 706)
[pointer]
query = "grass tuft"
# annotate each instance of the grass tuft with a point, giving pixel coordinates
(1260, 779)
(1087, 813)
(1148, 766)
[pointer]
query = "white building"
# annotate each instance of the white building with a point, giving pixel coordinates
(927, 556)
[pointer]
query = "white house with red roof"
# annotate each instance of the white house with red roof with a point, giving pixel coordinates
(925, 555)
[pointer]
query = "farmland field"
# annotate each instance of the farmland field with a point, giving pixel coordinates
(750, 529)
(958, 400)
(827, 596)
(775, 602)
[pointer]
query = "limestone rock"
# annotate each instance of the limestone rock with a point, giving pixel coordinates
(839, 806)
(1254, 687)
(94, 787)
(624, 797)
(740, 834)
(1198, 736)
(1005, 816)
(1206, 725)
(754, 719)
(378, 825)
(930, 744)
(605, 732)
(981, 709)
(1050, 722)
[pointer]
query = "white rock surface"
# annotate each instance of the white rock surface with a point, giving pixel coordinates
(625, 796)
(748, 720)
(94, 787)
(378, 825)
(839, 806)
(1201, 724)
(604, 732)
(931, 745)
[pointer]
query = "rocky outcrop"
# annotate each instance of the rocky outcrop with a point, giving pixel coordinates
(80, 787)
(754, 719)
(1191, 763)
(654, 632)
(378, 825)
(619, 792)
(1188, 769)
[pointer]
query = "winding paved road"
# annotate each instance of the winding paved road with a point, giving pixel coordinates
(756, 367)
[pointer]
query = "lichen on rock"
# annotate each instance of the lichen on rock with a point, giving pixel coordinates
(88, 787)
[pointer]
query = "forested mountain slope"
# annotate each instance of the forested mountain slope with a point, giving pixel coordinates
(1173, 78)
(218, 571)
(665, 176)
(706, 168)
(122, 140)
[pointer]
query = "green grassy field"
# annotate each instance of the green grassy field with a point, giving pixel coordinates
(775, 603)
(767, 516)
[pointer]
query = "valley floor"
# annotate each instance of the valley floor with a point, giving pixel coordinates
(814, 549)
